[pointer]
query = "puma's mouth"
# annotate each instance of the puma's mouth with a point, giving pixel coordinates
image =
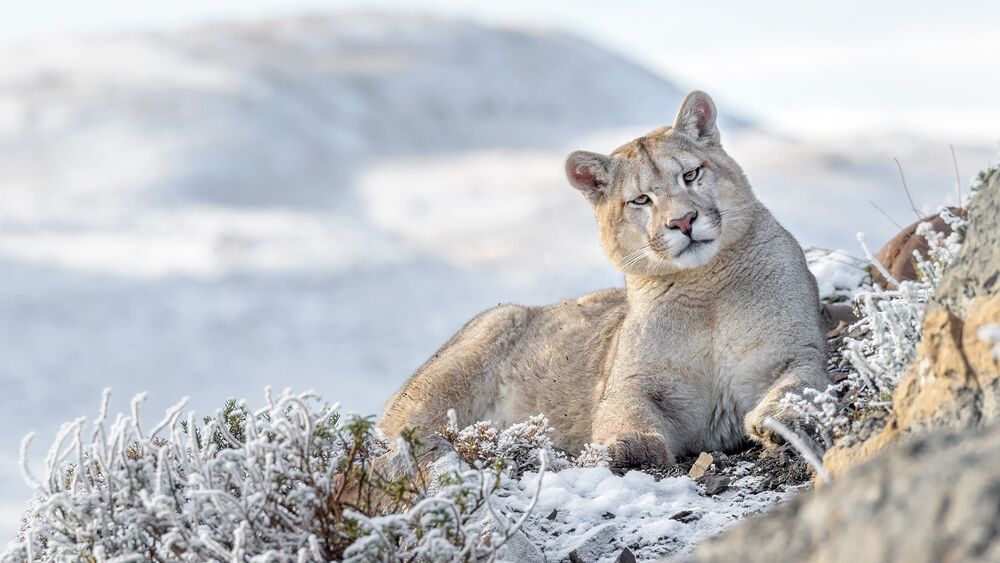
(695, 244)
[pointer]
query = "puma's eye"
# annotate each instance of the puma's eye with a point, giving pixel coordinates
(641, 200)
(692, 175)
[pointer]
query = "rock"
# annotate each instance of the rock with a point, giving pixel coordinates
(608, 515)
(955, 380)
(976, 272)
(720, 459)
(596, 543)
(686, 516)
(625, 556)
(897, 254)
(715, 484)
(552, 515)
(574, 557)
(519, 548)
(935, 498)
(701, 465)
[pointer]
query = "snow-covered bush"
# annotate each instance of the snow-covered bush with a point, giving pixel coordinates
(887, 336)
(291, 481)
(513, 450)
(518, 447)
(593, 455)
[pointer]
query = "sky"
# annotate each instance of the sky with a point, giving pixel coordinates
(801, 67)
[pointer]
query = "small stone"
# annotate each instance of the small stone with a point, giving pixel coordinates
(701, 465)
(836, 331)
(715, 484)
(552, 515)
(686, 516)
(681, 515)
(720, 459)
(625, 556)
(608, 515)
(574, 557)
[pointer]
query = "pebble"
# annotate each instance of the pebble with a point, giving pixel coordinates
(701, 465)
(625, 556)
(715, 484)
(685, 516)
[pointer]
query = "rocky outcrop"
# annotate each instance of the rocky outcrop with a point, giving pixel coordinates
(927, 486)
(933, 499)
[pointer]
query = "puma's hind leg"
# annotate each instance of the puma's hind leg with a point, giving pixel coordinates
(463, 375)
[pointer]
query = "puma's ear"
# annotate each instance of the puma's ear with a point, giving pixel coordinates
(588, 172)
(696, 118)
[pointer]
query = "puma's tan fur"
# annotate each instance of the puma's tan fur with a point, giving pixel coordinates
(719, 317)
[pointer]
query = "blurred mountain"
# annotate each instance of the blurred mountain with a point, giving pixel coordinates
(284, 112)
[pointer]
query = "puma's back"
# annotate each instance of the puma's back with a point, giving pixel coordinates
(511, 362)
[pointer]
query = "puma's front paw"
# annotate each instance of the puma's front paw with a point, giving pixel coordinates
(635, 449)
(763, 434)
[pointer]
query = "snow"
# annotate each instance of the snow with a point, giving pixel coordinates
(599, 513)
(990, 334)
(838, 274)
(321, 202)
(581, 505)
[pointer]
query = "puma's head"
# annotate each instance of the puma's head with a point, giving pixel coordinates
(670, 200)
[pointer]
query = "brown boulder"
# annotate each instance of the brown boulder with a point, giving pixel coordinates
(897, 254)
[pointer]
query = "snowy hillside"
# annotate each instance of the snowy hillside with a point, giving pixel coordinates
(226, 114)
(320, 202)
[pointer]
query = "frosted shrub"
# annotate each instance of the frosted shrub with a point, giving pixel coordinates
(890, 328)
(892, 319)
(516, 448)
(291, 481)
(593, 455)
(462, 521)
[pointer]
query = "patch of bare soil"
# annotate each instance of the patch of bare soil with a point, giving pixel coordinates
(778, 469)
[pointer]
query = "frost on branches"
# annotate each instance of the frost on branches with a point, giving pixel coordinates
(517, 448)
(885, 340)
(513, 450)
(292, 481)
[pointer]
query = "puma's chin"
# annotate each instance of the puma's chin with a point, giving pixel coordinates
(695, 254)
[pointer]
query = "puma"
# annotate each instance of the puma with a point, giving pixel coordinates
(719, 317)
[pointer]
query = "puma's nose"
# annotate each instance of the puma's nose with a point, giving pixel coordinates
(684, 223)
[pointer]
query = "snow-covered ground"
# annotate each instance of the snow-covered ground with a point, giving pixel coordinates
(598, 514)
(320, 202)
